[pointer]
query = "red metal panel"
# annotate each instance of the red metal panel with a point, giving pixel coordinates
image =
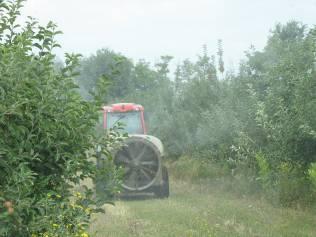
(124, 107)
(143, 122)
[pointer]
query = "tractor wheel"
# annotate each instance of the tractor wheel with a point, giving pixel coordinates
(163, 190)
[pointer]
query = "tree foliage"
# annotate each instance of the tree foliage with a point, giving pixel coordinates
(262, 118)
(47, 133)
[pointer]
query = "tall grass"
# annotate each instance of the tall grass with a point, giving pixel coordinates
(201, 209)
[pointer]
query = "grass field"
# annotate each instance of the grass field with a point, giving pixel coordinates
(200, 210)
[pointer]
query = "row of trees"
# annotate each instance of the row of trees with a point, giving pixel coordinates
(261, 121)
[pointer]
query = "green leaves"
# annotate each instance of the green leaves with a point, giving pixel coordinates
(47, 132)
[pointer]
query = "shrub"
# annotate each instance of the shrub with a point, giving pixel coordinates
(312, 174)
(47, 134)
(292, 185)
(194, 169)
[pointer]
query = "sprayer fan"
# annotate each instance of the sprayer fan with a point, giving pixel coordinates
(141, 164)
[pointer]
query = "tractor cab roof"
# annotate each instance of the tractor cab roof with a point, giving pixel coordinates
(123, 107)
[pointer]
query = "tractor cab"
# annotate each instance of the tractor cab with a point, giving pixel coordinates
(129, 114)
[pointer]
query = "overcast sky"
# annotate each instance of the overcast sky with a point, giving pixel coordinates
(150, 28)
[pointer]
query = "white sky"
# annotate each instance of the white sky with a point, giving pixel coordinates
(150, 28)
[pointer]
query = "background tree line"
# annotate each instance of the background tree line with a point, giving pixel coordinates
(259, 122)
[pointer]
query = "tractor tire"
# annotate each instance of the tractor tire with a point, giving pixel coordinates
(163, 190)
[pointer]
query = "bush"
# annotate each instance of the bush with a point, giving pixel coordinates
(195, 169)
(312, 174)
(47, 134)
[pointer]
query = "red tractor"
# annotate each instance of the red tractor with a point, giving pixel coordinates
(141, 156)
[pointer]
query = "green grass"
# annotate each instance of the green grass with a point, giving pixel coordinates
(202, 210)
